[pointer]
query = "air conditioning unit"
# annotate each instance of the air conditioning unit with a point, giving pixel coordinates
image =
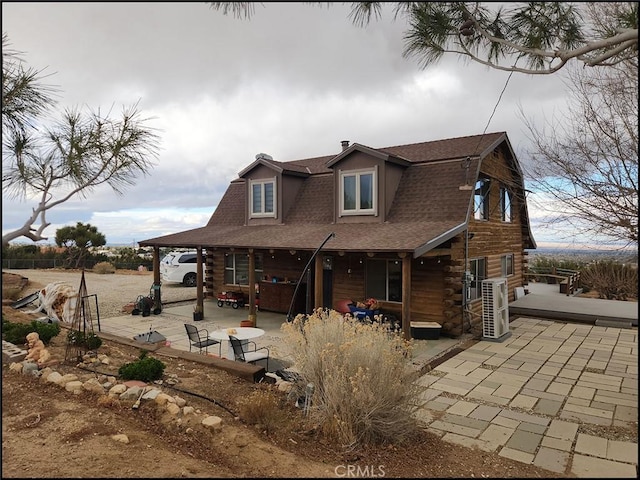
(495, 309)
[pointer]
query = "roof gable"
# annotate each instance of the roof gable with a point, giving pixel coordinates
(379, 154)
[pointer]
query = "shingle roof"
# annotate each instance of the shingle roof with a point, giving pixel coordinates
(424, 212)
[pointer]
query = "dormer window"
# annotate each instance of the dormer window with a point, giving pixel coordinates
(263, 198)
(358, 192)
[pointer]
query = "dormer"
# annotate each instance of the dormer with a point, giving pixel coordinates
(270, 188)
(365, 183)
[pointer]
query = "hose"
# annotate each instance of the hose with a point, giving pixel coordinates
(212, 400)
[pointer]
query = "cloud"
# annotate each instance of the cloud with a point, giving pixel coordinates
(292, 82)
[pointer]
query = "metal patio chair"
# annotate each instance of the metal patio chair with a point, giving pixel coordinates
(250, 356)
(200, 339)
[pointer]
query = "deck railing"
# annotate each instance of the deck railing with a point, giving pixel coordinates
(569, 280)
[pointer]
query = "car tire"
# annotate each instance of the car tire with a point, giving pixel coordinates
(190, 280)
(220, 303)
(235, 305)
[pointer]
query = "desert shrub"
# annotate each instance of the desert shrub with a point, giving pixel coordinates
(261, 408)
(88, 340)
(16, 333)
(104, 267)
(612, 280)
(362, 392)
(145, 369)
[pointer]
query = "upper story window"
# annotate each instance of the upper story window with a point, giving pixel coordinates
(481, 200)
(358, 192)
(263, 198)
(505, 204)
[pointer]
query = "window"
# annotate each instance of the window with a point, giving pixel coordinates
(358, 192)
(384, 280)
(505, 204)
(477, 273)
(506, 264)
(263, 198)
(236, 268)
(481, 200)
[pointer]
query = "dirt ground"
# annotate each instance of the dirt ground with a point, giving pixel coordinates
(48, 432)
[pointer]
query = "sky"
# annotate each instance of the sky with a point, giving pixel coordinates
(293, 82)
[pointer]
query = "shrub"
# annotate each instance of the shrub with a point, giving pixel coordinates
(145, 369)
(104, 267)
(612, 280)
(16, 333)
(89, 340)
(362, 392)
(261, 408)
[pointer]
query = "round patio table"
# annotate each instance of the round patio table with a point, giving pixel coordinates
(244, 334)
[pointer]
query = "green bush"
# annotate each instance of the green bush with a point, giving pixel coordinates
(89, 340)
(104, 267)
(16, 333)
(145, 369)
(362, 393)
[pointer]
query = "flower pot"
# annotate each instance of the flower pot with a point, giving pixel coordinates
(246, 323)
(197, 316)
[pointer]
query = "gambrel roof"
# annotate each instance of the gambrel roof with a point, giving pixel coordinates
(428, 208)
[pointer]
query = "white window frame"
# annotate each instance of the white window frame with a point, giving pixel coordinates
(262, 214)
(505, 204)
(374, 191)
(506, 265)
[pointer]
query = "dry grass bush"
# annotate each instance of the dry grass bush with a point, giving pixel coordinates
(362, 392)
(612, 280)
(104, 267)
(261, 407)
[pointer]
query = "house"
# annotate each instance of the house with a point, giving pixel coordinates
(418, 227)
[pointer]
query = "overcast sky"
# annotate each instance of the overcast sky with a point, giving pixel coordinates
(293, 81)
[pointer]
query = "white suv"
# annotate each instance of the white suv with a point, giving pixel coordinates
(180, 267)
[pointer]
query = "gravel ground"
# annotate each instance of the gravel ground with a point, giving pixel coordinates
(113, 291)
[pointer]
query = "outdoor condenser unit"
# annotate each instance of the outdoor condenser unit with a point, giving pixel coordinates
(495, 309)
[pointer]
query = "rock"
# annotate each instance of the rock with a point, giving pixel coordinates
(54, 377)
(180, 402)
(151, 394)
(29, 367)
(92, 385)
(188, 410)
(172, 408)
(69, 377)
(163, 399)
(131, 393)
(117, 390)
(74, 386)
(212, 421)
(120, 437)
(44, 373)
(16, 367)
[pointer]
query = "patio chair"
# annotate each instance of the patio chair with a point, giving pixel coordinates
(200, 339)
(250, 356)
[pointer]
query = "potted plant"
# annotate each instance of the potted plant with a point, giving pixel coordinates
(197, 313)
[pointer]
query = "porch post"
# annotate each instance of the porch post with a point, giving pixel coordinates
(317, 290)
(156, 276)
(406, 296)
(199, 282)
(252, 287)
